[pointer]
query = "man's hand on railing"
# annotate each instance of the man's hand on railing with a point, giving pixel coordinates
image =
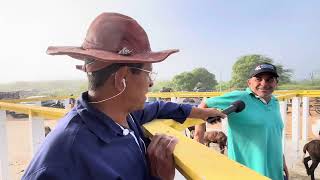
(160, 153)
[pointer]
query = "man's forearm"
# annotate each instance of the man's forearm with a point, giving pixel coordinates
(202, 112)
(205, 113)
(199, 133)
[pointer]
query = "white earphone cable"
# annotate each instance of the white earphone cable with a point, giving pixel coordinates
(96, 102)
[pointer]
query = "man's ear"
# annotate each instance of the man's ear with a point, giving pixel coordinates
(248, 82)
(120, 78)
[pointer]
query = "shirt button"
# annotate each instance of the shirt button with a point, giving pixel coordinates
(125, 132)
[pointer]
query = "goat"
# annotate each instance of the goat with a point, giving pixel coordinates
(47, 130)
(217, 137)
(313, 148)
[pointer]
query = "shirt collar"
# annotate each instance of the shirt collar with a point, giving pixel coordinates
(97, 122)
(249, 91)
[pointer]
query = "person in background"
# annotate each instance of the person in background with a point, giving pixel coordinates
(101, 137)
(255, 134)
(72, 101)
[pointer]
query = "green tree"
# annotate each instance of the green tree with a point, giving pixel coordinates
(184, 81)
(242, 67)
(158, 85)
(204, 79)
(284, 74)
(224, 86)
(199, 78)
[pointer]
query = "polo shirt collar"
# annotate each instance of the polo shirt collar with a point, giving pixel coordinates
(249, 91)
(96, 121)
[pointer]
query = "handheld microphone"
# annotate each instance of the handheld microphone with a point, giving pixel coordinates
(236, 106)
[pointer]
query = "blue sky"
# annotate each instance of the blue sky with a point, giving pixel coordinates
(210, 34)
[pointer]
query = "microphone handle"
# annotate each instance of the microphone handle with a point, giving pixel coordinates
(214, 119)
(227, 111)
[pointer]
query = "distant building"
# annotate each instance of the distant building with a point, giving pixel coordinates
(10, 95)
(18, 94)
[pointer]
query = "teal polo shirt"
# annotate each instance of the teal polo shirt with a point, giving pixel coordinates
(255, 134)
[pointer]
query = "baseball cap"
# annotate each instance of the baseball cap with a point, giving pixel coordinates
(264, 68)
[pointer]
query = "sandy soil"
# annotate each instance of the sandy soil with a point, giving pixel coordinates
(19, 149)
(19, 144)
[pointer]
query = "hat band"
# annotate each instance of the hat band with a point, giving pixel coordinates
(93, 66)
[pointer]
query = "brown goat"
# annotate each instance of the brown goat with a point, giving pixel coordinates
(217, 137)
(313, 148)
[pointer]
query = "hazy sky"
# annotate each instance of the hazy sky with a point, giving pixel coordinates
(210, 34)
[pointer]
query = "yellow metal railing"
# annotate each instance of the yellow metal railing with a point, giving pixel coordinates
(194, 160)
(286, 96)
(35, 99)
(281, 93)
(45, 112)
(183, 94)
(205, 164)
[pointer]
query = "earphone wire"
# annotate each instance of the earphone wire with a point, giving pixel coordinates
(96, 102)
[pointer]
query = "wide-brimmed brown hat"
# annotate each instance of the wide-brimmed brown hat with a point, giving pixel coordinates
(112, 38)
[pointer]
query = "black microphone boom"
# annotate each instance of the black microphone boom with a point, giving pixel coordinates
(236, 106)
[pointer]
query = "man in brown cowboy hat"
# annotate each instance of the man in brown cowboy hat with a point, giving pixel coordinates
(101, 137)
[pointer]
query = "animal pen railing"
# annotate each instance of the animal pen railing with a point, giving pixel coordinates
(204, 164)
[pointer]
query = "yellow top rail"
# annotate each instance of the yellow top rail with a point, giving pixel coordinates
(45, 112)
(183, 94)
(204, 164)
(196, 161)
(36, 99)
(281, 94)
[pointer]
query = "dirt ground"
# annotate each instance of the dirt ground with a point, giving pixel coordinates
(19, 147)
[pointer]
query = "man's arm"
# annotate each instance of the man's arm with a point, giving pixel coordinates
(58, 173)
(178, 112)
(160, 150)
(203, 112)
(220, 102)
(200, 129)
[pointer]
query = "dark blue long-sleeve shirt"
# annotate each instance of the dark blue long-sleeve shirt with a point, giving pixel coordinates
(88, 145)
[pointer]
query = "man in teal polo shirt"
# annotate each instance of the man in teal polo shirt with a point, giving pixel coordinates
(255, 134)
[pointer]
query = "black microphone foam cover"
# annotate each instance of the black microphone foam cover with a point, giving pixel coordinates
(240, 105)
